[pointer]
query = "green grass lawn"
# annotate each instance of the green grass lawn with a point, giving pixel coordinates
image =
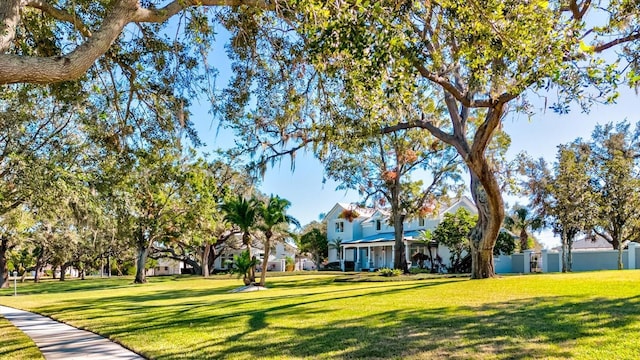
(592, 315)
(15, 345)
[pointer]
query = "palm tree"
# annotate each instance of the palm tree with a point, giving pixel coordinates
(336, 244)
(244, 214)
(520, 221)
(273, 214)
(242, 265)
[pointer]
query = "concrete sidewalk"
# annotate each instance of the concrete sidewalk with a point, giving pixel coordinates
(60, 341)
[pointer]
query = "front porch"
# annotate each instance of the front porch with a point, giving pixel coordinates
(370, 256)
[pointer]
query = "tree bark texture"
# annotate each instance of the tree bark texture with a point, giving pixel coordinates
(399, 259)
(487, 196)
(39, 265)
(265, 261)
(4, 270)
(42, 70)
(524, 239)
(483, 236)
(620, 264)
(63, 272)
(205, 260)
(141, 260)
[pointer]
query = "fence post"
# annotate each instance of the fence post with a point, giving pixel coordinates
(631, 252)
(544, 254)
(527, 261)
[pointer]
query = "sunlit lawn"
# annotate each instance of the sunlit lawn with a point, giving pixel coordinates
(586, 316)
(16, 345)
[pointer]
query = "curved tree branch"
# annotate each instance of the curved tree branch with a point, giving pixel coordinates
(59, 14)
(27, 69)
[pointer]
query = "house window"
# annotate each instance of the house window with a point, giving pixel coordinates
(421, 222)
(378, 224)
(339, 226)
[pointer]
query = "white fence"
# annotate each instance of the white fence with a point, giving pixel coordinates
(583, 260)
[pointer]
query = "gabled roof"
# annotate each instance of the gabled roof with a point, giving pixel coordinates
(590, 243)
(366, 215)
(363, 213)
(384, 214)
(462, 202)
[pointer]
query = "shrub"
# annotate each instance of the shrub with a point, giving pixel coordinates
(390, 272)
(289, 263)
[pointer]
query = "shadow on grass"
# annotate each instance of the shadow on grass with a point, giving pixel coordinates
(14, 344)
(55, 286)
(332, 323)
(545, 327)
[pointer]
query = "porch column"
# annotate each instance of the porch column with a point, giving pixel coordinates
(384, 257)
(393, 255)
(342, 257)
(369, 260)
(356, 265)
(407, 255)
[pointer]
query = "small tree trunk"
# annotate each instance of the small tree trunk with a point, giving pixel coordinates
(63, 270)
(205, 260)
(4, 270)
(53, 271)
(141, 260)
(620, 264)
(252, 271)
(38, 267)
(570, 253)
(524, 240)
(265, 261)
(564, 251)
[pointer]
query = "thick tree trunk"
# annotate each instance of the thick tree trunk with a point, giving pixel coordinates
(63, 272)
(4, 270)
(399, 258)
(615, 243)
(265, 261)
(205, 260)
(488, 199)
(141, 260)
(9, 18)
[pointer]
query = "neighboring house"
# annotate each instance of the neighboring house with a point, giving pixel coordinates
(277, 257)
(593, 243)
(166, 266)
(367, 240)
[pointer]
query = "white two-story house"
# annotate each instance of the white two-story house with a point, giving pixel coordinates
(368, 242)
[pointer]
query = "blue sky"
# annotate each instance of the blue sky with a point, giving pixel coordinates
(539, 136)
